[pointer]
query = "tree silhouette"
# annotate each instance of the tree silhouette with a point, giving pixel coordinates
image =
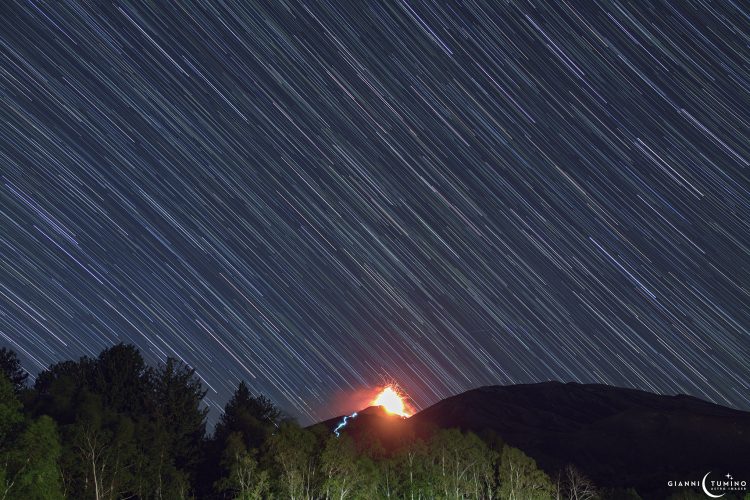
(10, 412)
(112, 427)
(254, 417)
(10, 366)
(247, 419)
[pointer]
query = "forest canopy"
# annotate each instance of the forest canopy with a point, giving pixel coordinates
(112, 427)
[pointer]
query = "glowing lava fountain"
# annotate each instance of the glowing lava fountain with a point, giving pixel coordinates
(392, 400)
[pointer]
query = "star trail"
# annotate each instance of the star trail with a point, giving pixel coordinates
(315, 196)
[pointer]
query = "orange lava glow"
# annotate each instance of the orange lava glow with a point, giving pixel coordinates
(393, 402)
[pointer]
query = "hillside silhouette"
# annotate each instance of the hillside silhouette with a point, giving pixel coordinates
(619, 437)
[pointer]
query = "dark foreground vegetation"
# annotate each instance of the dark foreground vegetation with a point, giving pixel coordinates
(115, 428)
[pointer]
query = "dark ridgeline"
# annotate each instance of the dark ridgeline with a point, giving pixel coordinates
(619, 437)
(113, 427)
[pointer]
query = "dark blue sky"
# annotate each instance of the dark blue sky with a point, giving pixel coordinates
(315, 197)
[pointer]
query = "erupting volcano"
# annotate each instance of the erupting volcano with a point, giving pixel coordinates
(392, 401)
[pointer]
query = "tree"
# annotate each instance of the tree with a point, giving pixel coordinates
(106, 452)
(97, 403)
(341, 468)
(580, 487)
(10, 412)
(520, 479)
(57, 389)
(387, 477)
(483, 471)
(10, 420)
(128, 429)
(245, 481)
(30, 467)
(58, 392)
(411, 461)
(254, 417)
(572, 484)
(293, 450)
(178, 417)
(10, 366)
(461, 465)
(29, 452)
(119, 376)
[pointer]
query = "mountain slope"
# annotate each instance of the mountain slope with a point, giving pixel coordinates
(619, 437)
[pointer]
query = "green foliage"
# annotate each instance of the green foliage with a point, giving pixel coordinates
(29, 452)
(34, 458)
(411, 463)
(293, 450)
(30, 465)
(103, 454)
(247, 420)
(346, 473)
(520, 479)
(127, 429)
(244, 481)
(460, 465)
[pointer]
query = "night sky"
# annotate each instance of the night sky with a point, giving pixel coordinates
(316, 197)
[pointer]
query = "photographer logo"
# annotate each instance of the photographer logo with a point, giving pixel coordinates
(713, 488)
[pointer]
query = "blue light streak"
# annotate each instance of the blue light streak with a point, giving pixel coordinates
(343, 423)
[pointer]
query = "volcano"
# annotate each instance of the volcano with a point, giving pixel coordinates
(619, 437)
